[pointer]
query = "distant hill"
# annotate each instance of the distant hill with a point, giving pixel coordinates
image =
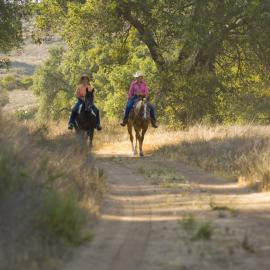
(25, 60)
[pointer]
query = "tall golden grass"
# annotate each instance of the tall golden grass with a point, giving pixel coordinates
(233, 151)
(239, 152)
(50, 194)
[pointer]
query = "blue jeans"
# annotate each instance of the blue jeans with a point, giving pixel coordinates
(130, 105)
(76, 108)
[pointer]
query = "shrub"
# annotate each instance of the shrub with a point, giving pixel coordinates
(25, 82)
(3, 98)
(189, 223)
(12, 174)
(62, 216)
(9, 82)
(203, 232)
(25, 114)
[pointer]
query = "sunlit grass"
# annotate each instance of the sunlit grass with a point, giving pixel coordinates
(236, 152)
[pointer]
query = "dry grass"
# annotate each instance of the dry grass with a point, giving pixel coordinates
(238, 152)
(114, 139)
(50, 194)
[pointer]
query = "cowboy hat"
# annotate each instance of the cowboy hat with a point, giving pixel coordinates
(138, 74)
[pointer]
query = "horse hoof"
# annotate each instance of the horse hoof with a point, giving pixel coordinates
(141, 155)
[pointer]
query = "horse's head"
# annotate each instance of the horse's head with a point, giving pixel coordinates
(89, 100)
(142, 108)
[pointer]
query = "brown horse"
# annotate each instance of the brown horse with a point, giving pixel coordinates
(139, 119)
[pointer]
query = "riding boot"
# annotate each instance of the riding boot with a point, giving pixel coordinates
(72, 119)
(154, 123)
(124, 122)
(153, 116)
(71, 122)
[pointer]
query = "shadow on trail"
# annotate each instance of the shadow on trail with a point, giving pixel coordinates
(26, 68)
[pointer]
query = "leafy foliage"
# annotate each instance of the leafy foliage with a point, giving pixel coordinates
(204, 60)
(12, 13)
(50, 84)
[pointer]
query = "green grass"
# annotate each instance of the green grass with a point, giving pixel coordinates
(157, 175)
(189, 223)
(4, 99)
(25, 82)
(197, 230)
(62, 216)
(203, 232)
(25, 114)
(12, 174)
(9, 82)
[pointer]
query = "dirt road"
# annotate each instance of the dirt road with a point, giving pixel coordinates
(160, 214)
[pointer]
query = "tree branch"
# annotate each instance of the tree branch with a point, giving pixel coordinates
(146, 36)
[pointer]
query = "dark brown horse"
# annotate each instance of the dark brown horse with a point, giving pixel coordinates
(139, 119)
(86, 118)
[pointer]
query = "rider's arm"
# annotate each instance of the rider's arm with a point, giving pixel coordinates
(131, 91)
(77, 92)
(146, 90)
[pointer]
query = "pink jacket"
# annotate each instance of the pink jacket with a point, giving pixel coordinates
(137, 88)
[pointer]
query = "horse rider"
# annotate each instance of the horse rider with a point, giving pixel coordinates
(80, 93)
(138, 88)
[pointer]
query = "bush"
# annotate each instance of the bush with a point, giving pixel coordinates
(62, 216)
(3, 98)
(25, 114)
(25, 82)
(12, 174)
(38, 170)
(9, 82)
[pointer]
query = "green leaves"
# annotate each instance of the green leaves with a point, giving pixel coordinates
(207, 53)
(11, 14)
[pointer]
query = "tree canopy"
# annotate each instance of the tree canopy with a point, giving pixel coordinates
(11, 33)
(204, 59)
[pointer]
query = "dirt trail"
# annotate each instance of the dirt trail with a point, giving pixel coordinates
(142, 221)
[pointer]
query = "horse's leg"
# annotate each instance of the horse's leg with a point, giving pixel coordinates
(138, 139)
(141, 141)
(129, 126)
(136, 143)
(90, 137)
